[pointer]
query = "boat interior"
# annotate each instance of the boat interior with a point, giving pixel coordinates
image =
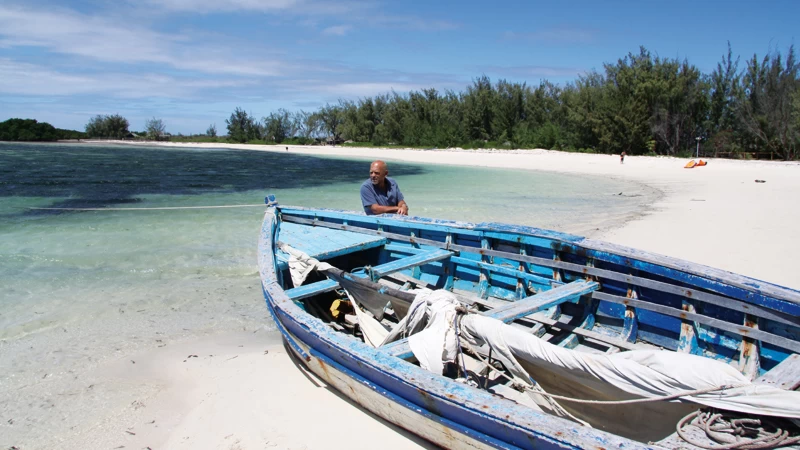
(570, 292)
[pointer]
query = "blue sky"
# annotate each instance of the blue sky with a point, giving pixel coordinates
(191, 62)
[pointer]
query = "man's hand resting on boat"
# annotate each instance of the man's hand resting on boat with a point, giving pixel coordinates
(401, 209)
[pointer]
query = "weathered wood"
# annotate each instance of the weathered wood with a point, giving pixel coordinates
(338, 226)
(699, 318)
(631, 257)
(407, 279)
(496, 268)
(593, 335)
(543, 300)
(408, 262)
(785, 375)
(324, 244)
(401, 349)
(508, 271)
(312, 289)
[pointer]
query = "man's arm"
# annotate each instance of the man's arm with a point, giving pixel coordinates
(401, 208)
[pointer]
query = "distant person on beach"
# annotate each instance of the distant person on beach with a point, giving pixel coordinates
(381, 194)
(622, 157)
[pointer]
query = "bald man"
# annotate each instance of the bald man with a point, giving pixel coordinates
(381, 194)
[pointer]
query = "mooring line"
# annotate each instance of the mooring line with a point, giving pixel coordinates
(146, 209)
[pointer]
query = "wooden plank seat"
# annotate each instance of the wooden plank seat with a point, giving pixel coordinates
(589, 334)
(543, 300)
(323, 243)
(785, 375)
(408, 262)
(312, 289)
(494, 268)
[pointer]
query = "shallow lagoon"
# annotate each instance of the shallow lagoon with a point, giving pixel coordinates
(84, 287)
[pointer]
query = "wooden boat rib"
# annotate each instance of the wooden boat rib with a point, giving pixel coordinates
(577, 294)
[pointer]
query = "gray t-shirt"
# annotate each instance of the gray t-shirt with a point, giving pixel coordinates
(372, 195)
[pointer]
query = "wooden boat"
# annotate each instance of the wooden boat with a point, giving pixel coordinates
(589, 302)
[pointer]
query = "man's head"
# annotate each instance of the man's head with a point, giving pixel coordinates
(377, 172)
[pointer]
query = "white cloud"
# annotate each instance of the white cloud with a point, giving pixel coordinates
(338, 30)
(360, 12)
(30, 79)
(106, 40)
(68, 32)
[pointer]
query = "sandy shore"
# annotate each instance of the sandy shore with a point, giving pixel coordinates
(250, 394)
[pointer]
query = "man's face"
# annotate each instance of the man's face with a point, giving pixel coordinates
(377, 173)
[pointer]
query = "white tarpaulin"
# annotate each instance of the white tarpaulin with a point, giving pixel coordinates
(300, 264)
(604, 377)
(373, 331)
(437, 342)
(643, 373)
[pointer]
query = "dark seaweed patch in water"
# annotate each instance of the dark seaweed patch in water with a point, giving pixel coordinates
(106, 176)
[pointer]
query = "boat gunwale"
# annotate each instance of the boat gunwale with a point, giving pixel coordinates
(602, 250)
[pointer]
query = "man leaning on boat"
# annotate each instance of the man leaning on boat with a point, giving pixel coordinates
(381, 194)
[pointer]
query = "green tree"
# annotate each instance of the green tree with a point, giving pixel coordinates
(724, 84)
(767, 109)
(278, 126)
(212, 130)
(478, 109)
(330, 117)
(107, 126)
(242, 127)
(680, 95)
(30, 130)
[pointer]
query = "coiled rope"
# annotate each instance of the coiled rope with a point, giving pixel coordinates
(735, 433)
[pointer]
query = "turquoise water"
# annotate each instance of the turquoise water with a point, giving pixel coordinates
(83, 287)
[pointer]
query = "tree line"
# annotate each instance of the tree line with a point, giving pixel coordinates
(640, 104)
(35, 131)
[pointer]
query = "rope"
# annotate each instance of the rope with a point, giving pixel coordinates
(146, 209)
(650, 399)
(460, 311)
(732, 433)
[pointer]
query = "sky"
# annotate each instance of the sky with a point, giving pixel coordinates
(190, 63)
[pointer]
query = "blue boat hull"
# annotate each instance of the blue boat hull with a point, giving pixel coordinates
(455, 415)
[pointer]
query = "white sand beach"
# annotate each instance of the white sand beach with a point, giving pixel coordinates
(251, 395)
